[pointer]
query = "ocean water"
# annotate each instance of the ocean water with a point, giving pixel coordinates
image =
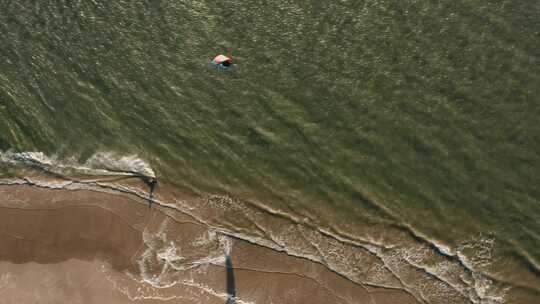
(402, 132)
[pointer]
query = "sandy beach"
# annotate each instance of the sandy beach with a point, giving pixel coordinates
(66, 246)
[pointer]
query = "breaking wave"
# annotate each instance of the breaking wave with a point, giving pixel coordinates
(101, 163)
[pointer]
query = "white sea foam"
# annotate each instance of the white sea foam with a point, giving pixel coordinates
(170, 254)
(446, 271)
(36, 182)
(334, 257)
(38, 158)
(144, 292)
(169, 262)
(488, 293)
(114, 162)
(102, 163)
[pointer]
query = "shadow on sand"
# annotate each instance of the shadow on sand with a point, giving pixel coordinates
(152, 183)
(231, 287)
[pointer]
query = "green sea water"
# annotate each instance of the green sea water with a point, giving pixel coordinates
(419, 114)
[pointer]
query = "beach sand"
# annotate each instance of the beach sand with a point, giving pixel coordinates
(82, 246)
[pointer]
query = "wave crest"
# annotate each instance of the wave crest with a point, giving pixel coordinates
(101, 163)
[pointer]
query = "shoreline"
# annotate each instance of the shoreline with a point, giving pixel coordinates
(406, 267)
(217, 221)
(68, 215)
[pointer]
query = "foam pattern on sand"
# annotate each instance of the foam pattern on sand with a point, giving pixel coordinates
(429, 271)
(419, 268)
(426, 270)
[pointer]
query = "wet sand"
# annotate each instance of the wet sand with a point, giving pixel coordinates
(81, 246)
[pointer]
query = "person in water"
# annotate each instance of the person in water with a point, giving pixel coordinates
(222, 62)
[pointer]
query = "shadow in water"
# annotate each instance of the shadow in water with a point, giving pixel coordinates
(231, 287)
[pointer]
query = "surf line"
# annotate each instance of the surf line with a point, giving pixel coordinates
(150, 181)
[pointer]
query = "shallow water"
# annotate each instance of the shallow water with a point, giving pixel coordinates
(399, 122)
